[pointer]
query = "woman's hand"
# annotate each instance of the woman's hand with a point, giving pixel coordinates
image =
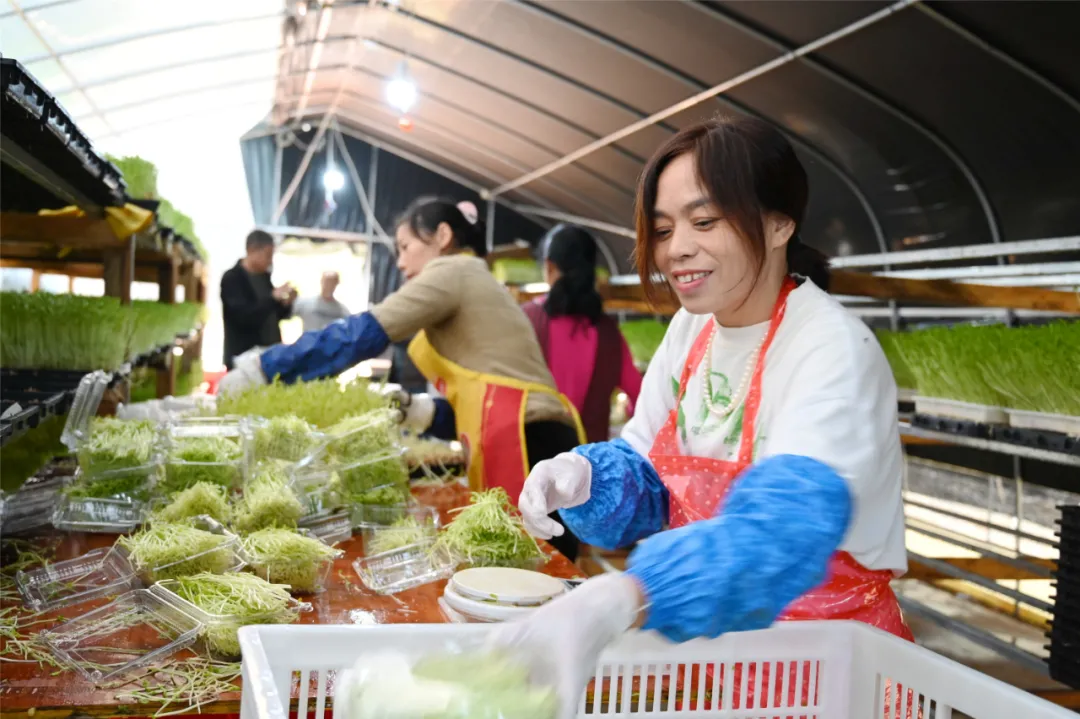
(563, 640)
(558, 483)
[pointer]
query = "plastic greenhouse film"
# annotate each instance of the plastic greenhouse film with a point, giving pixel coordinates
(87, 398)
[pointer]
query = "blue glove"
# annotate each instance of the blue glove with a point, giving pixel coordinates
(326, 352)
(783, 519)
(627, 501)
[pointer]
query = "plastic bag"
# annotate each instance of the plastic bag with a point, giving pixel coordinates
(471, 685)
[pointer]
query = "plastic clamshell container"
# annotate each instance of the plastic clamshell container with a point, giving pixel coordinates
(218, 631)
(98, 573)
(384, 515)
(410, 566)
(183, 567)
(364, 482)
(332, 529)
(313, 577)
(84, 406)
(954, 409)
(312, 486)
(252, 431)
(106, 516)
(183, 427)
(1063, 423)
(376, 524)
(176, 475)
(136, 630)
(129, 483)
(31, 507)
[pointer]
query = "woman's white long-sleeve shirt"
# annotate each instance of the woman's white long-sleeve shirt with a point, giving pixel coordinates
(827, 393)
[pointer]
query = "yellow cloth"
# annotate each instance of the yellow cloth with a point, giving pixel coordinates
(486, 416)
(123, 221)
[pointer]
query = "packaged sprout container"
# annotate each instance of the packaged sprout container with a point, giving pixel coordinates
(170, 550)
(385, 528)
(362, 461)
(293, 557)
(129, 483)
(332, 529)
(201, 453)
(98, 573)
(223, 604)
(137, 630)
(405, 567)
(287, 438)
(104, 516)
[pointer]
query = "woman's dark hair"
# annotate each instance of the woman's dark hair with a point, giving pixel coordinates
(424, 215)
(749, 169)
(573, 252)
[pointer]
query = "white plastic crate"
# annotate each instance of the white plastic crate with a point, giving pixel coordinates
(841, 670)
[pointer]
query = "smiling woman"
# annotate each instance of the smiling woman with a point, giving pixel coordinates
(761, 471)
(718, 213)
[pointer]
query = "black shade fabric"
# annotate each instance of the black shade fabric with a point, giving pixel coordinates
(398, 182)
(942, 124)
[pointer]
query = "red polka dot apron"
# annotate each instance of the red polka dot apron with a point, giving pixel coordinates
(697, 487)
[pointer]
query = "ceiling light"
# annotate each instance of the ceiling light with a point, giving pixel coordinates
(301, 8)
(306, 127)
(333, 180)
(401, 90)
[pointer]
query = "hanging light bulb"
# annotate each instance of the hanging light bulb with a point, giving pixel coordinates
(332, 179)
(401, 91)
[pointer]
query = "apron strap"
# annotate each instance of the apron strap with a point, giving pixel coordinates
(753, 397)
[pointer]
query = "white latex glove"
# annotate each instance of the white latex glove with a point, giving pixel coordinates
(417, 411)
(558, 483)
(563, 640)
(246, 372)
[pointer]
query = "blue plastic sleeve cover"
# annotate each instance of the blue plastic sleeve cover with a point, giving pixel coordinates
(326, 352)
(771, 542)
(627, 501)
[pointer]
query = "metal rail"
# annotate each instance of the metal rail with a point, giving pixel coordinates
(707, 94)
(963, 252)
(1018, 450)
(1013, 653)
(979, 522)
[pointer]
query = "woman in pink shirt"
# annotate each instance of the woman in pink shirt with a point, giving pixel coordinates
(583, 347)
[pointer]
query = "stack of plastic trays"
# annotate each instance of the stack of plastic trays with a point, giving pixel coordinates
(1064, 634)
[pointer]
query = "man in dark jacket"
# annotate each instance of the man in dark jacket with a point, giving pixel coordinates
(251, 305)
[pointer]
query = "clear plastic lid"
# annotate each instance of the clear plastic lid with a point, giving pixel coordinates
(331, 529)
(179, 427)
(219, 631)
(133, 483)
(98, 573)
(136, 630)
(404, 568)
(385, 528)
(287, 438)
(107, 516)
(85, 405)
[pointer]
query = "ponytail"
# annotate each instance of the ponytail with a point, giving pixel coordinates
(573, 252)
(425, 214)
(808, 262)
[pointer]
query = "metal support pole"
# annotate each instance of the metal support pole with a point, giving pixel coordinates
(304, 163)
(369, 209)
(373, 178)
(490, 224)
(279, 152)
(704, 95)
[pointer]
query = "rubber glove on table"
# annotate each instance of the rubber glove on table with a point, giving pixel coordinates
(563, 640)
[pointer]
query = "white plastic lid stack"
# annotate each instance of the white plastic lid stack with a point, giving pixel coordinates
(506, 586)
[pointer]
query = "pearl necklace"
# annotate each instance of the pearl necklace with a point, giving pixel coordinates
(744, 384)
